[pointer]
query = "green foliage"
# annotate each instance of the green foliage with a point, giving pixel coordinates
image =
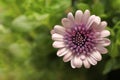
(26, 51)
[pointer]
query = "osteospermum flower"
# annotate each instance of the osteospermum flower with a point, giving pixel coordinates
(81, 39)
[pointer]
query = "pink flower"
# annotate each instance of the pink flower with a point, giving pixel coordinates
(81, 40)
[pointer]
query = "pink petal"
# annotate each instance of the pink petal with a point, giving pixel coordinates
(58, 44)
(102, 50)
(85, 17)
(67, 23)
(93, 19)
(82, 56)
(96, 55)
(57, 37)
(67, 56)
(104, 42)
(92, 61)
(77, 61)
(90, 21)
(105, 33)
(72, 64)
(86, 63)
(78, 16)
(101, 26)
(98, 20)
(59, 29)
(62, 52)
(70, 17)
(52, 31)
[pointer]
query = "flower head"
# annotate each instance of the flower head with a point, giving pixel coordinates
(81, 39)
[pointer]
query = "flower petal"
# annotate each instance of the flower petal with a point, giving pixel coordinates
(52, 31)
(78, 16)
(106, 42)
(72, 64)
(96, 55)
(105, 33)
(92, 60)
(86, 63)
(85, 17)
(102, 50)
(101, 26)
(103, 42)
(58, 44)
(70, 17)
(62, 52)
(67, 56)
(93, 19)
(90, 21)
(67, 23)
(57, 37)
(77, 61)
(59, 29)
(82, 56)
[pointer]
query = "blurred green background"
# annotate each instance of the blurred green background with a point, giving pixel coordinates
(26, 51)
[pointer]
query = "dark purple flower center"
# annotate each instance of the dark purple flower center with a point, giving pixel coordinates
(80, 40)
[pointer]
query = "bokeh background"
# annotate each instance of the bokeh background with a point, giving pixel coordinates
(26, 51)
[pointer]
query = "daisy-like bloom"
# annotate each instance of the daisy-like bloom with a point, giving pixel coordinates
(81, 40)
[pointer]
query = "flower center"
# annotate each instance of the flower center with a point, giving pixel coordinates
(79, 40)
